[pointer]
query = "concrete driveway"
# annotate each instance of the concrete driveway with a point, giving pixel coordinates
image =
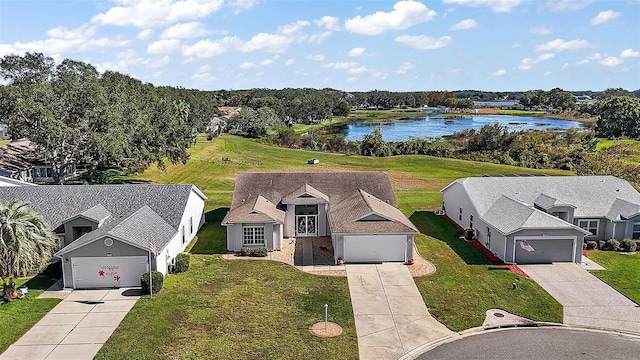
(587, 301)
(390, 315)
(77, 327)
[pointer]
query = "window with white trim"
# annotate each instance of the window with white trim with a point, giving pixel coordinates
(184, 238)
(591, 225)
(635, 234)
(191, 225)
(253, 235)
(460, 215)
(471, 221)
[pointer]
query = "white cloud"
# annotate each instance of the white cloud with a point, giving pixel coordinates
(541, 30)
(167, 46)
(592, 57)
(341, 65)
(185, 31)
(239, 6)
(358, 51)
(315, 57)
(145, 34)
(357, 70)
(611, 61)
(204, 73)
(266, 62)
(465, 24)
(290, 62)
(524, 67)
(560, 45)
(267, 42)
(495, 5)
(547, 73)
(247, 65)
(208, 48)
(566, 5)
(500, 72)
(379, 75)
(515, 46)
(528, 62)
(404, 15)
(404, 67)
(152, 13)
(320, 37)
(293, 28)
(329, 23)
(604, 17)
(424, 42)
(628, 53)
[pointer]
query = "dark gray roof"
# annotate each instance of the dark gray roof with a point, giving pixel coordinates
(57, 203)
(136, 228)
(20, 155)
(97, 213)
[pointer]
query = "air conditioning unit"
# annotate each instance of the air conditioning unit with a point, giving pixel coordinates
(440, 212)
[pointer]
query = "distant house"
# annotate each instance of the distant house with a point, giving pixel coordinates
(4, 132)
(216, 125)
(538, 219)
(105, 231)
(21, 160)
(357, 210)
(230, 110)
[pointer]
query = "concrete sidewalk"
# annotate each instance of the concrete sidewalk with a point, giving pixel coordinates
(587, 301)
(77, 327)
(390, 315)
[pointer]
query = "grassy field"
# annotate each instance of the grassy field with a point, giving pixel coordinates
(466, 285)
(622, 274)
(2, 141)
(301, 128)
(605, 143)
(226, 309)
(19, 316)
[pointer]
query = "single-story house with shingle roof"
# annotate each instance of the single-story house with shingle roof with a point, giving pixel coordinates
(21, 160)
(105, 231)
(541, 219)
(358, 210)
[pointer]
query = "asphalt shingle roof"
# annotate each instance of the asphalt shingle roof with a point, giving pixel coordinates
(260, 210)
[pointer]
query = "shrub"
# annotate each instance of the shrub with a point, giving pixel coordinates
(602, 244)
(182, 262)
(259, 251)
(637, 244)
(629, 245)
(613, 245)
(591, 245)
(584, 246)
(157, 278)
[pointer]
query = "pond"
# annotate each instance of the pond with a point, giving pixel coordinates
(438, 126)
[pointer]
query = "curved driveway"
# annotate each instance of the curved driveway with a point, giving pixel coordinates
(538, 343)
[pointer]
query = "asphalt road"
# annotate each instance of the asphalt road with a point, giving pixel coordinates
(539, 343)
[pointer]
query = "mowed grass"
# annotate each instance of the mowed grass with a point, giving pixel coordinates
(231, 309)
(622, 274)
(4, 141)
(17, 317)
(466, 285)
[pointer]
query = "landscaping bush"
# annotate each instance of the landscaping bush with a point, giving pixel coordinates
(602, 244)
(629, 245)
(182, 262)
(54, 270)
(637, 244)
(259, 251)
(613, 245)
(591, 245)
(158, 280)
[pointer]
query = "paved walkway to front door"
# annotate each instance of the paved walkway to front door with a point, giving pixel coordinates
(391, 317)
(587, 301)
(77, 327)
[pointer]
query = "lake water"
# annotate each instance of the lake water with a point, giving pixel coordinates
(437, 126)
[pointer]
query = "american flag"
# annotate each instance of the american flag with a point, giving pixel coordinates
(153, 249)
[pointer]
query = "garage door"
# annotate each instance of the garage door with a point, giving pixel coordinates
(533, 251)
(374, 248)
(100, 272)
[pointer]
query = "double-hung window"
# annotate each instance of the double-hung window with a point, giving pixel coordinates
(253, 235)
(591, 225)
(471, 221)
(460, 214)
(636, 231)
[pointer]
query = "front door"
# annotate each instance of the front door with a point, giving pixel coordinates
(306, 225)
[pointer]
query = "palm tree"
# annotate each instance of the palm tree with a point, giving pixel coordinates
(26, 242)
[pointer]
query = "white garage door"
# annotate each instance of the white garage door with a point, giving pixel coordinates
(544, 250)
(100, 272)
(374, 248)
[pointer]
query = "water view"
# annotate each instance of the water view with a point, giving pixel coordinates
(437, 126)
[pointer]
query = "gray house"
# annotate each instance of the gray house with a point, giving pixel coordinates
(537, 219)
(105, 231)
(4, 132)
(358, 210)
(21, 160)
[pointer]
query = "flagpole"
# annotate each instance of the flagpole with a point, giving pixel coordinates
(150, 275)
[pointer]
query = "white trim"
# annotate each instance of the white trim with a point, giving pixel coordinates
(574, 239)
(588, 220)
(253, 234)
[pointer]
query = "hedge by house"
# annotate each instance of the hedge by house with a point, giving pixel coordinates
(182, 262)
(257, 251)
(158, 280)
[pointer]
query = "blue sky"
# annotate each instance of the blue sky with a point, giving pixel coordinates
(493, 45)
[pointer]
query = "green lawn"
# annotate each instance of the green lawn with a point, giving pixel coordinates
(19, 316)
(301, 128)
(605, 143)
(230, 309)
(622, 274)
(4, 141)
(466, 285)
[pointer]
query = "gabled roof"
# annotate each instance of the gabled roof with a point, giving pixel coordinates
(306, 194)
(97, 214)
(592, 196)
(508, 216)
(622, 209)
(57, 203)
(259, 210)
(350, 216)
(135, 229)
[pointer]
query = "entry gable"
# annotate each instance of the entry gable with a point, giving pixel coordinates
(258, 210)
(305, 194)
(97, 214)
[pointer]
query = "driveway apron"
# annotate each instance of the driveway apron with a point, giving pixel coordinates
(77, 327)
(390, 315)
(587, 301)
